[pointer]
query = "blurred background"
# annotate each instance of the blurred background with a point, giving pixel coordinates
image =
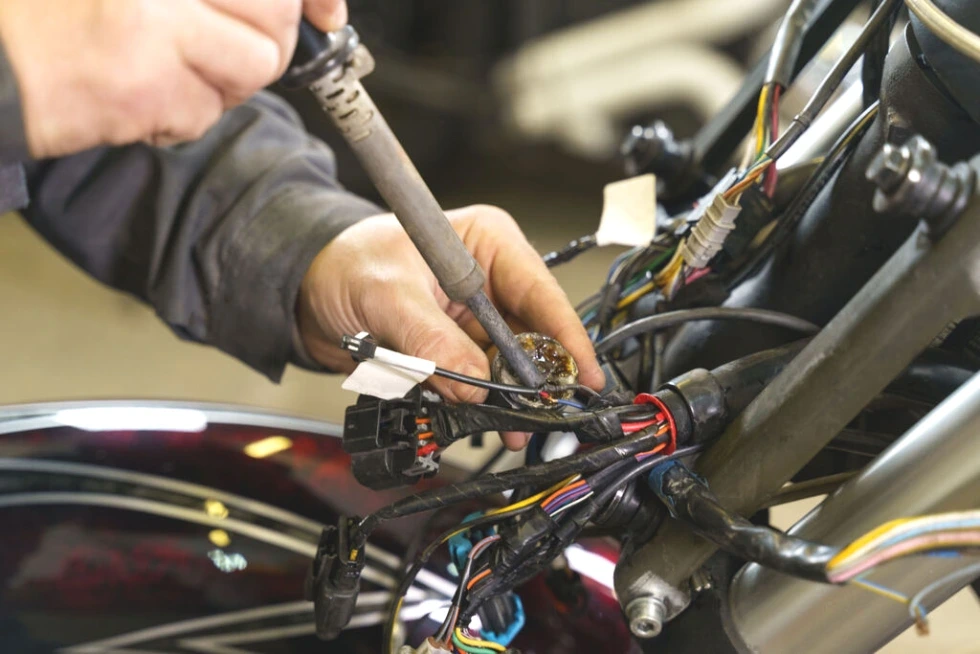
(518, 103)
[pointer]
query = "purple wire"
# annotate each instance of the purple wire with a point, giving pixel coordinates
(568, 498)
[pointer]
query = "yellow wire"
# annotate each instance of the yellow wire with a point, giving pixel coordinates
(635, 295)
(865, 541)
(534, 498)
(472, 642)
(881, 592)
(760, 120)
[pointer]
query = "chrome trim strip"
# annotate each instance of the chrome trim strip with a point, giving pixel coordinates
(26, 417)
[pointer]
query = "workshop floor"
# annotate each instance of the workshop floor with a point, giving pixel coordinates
(63, 336)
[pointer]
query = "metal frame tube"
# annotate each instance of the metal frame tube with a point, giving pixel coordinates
(896, 314)
(930, 469)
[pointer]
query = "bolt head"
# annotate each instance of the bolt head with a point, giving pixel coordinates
(647, 616)
(889, 168)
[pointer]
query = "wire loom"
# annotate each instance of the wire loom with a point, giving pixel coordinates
(689, 499)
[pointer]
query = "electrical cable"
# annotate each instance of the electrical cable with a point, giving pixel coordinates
(878, 20)
(423, 557)
(690, 500)
(674, 318)
(570, 251)
(545, 473)
(947, 29)
(958, 578)
(821, 176)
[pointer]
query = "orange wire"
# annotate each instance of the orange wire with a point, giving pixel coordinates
(580, 482)
(483, 575)
(658, 448)
(425, 435)
(423, 421)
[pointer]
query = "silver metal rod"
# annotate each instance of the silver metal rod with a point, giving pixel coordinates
(931, 469)
(344, 99)
(892, 318)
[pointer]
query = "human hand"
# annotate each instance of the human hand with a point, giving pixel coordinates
(112, 72)
(371, 278)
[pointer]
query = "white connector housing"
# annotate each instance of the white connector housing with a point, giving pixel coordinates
(715, 220)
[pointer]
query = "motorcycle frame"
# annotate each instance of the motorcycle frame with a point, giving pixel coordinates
(924, 286)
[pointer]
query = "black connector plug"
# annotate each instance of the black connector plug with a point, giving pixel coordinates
(382, 437)
(334, 580)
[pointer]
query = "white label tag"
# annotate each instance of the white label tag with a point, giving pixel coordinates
(629, 212)
(389, 375)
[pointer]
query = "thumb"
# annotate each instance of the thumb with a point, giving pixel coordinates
(328, 15)
(418, 326)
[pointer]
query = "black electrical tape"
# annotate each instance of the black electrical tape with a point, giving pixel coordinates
(689, 499)
(452, 422)
(504, 580)
(570, 251)
(539, 475)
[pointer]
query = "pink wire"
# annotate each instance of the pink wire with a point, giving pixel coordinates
(900, 549)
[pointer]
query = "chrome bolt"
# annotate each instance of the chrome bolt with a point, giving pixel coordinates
(647, 616)
(890, 167)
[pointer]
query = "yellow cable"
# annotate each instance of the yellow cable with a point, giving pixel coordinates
(534, 498)
(760, 120)
(881, 592)
(865, 541)
(472, 642)
(635, 295)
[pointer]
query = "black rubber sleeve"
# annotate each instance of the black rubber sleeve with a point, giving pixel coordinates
(690, 500)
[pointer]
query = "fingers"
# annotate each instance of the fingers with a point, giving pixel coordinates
(231, 55)
(524, 287)
(515, 440)
(276, 19)
(193, 106)
(413, 323)
(328, 15)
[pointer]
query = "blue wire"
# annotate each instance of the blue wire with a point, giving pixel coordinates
(571, 403)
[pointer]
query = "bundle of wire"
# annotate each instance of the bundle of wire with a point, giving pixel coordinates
(945, 532)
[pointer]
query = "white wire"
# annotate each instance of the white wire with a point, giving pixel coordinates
(571, 504)
(947, 29)
(964, 575)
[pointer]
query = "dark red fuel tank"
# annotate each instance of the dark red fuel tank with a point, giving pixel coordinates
(155, 527)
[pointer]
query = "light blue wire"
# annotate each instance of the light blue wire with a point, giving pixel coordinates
(965, 575)
(571, 403)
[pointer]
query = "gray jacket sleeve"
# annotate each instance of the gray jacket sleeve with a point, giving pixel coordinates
(216, 235)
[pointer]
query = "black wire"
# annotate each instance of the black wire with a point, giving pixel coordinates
(820, 177)
(880, 18)
(539, 475)
(570, 251)
(674, 318)
(626, 473)
(572, 526)
(511, 388)
(426, 554)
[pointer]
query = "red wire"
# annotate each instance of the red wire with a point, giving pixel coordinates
(427, 449)
(647, 398)
(633, 427)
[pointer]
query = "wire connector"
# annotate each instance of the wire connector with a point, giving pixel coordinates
(715, 218)
(335, 579)
(361, 347)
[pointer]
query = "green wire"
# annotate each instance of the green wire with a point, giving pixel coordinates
(469, 648)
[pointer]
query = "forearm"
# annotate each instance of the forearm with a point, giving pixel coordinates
(216, 234)
(13, 145)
